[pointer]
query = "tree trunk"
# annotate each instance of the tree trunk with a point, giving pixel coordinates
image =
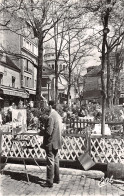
(109, 90)
(117, 87)
(105, 25)
(56, 81)
(69, 85)
(103, 86)
(69, 76)
(68, 93)
(39, 72)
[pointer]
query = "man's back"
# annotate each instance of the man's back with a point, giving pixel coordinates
(52, 137)
(56, 128)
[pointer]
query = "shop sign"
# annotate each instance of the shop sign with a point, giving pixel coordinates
(15, 93)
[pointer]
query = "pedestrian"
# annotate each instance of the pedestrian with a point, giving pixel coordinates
(51, 143)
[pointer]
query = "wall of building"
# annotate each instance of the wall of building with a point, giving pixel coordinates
(31, 73)
(91, 83)
(7, 77)
(11, 43)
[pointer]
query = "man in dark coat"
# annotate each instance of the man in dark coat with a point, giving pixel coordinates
(52, 142)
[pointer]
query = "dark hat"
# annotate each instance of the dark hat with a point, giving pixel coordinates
(52, 103)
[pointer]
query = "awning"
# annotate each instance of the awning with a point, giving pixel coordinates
(14, 92)
(93, 94)
(1, 91)
(32, 92)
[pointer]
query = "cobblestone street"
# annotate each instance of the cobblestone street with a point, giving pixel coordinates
(73, 182)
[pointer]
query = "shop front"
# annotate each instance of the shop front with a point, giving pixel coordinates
(12, 95)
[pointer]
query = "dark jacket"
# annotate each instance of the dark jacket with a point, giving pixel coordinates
(52, 134)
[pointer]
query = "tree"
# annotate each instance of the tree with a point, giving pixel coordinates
(68, 43)
(32, 17)
(77, 44)
(78, 82)
(106, 12)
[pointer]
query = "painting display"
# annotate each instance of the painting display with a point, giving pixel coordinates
(19, 121)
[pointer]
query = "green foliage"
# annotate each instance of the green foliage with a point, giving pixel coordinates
(114, 114)
(35, 116)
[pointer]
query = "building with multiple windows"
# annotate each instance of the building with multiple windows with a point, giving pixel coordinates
(18, 70)
(10, 86)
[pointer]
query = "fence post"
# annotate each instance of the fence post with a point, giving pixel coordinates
(88, 136)
(123, 127)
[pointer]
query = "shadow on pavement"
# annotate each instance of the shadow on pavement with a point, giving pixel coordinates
(22, 177)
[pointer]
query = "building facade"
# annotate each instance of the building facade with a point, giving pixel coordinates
(49, 61)
(92, 84)
(10, 86)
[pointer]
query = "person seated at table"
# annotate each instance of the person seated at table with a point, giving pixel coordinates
(81, 113)
(33, 124)
(7, 116)
(98, 116)
(64, 115)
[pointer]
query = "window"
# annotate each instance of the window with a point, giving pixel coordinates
(44, 82)
(13, 81)
(27, 66)
(53, 66)
(30, 47)
(1, 78)
(27, 44)
(24, 42)
(30, 85)
(35, 83)
(27, 81)
(35, 50)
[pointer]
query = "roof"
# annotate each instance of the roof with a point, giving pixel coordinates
(11, 64)
(94, 72)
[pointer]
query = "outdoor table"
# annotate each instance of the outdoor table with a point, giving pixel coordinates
(81, 122)
(97, 129)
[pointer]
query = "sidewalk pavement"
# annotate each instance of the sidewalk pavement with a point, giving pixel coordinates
(13, 182)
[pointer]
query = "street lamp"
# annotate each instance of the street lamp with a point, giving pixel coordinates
(106, 30)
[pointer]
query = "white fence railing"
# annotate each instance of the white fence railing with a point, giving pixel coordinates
(102, 149)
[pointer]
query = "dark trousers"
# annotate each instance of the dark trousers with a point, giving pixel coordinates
(52, 165)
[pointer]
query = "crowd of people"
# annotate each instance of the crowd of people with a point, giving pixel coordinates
(86, 110)
(65, 111)
(89, 110)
